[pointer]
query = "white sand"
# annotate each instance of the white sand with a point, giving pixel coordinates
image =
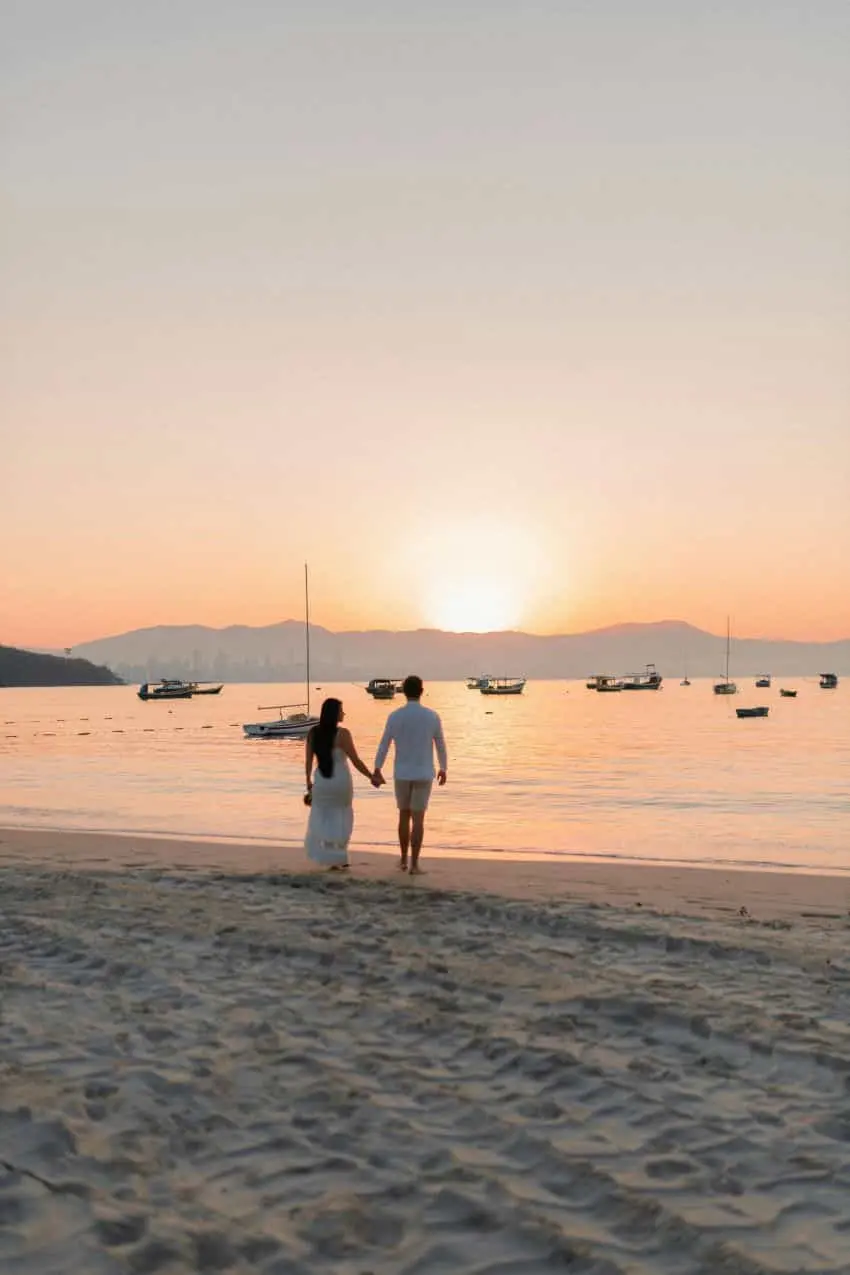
(307, 1074)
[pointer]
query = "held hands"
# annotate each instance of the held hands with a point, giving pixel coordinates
(377, 779)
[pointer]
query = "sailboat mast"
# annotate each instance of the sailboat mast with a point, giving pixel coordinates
(728, 638)
(307, 630)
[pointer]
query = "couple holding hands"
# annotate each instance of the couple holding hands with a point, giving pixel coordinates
(416, 732)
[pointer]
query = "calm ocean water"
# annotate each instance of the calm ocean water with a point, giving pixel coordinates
(671, 775)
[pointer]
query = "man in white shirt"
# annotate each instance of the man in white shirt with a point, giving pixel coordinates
(416, 732)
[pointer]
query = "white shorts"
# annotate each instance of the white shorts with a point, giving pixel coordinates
(413, 794)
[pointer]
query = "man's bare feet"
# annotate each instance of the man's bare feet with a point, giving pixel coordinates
(415, 870)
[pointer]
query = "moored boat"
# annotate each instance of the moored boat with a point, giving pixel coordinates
(649, 680)
(725, 687)
(786, 694)
(502, 686)
(166, 688)
(760, 711)
(763, 682)
(604, 682)
(829, 681)
(295, 720)
(383, 687)
(206, 688)
(474, 683)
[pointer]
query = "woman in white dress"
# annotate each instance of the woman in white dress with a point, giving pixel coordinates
(329, 787)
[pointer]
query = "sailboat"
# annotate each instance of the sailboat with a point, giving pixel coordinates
(726, 687)
(686, 681)
(295, 721)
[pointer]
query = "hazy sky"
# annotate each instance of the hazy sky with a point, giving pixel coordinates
(500, 314)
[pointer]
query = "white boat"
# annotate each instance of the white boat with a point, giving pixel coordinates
(206, 688)
(604, 682)
(649, 680)
(295, 720)
(502, 685)
(829, 681)
(726, 687)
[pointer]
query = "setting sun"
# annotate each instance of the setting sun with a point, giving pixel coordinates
(477, 575)
(474, 606)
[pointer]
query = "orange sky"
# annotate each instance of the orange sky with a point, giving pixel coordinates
(538, 321)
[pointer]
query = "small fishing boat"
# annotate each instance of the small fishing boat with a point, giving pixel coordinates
(206, 688)
(604, 682)
(787, 694)
(383, 687)
(685, 682)
(167, 688)
(761, 711)
(763, 682)
(502, 685)
(295, 720)
(650, 680)
(726, 687)
(829, 681)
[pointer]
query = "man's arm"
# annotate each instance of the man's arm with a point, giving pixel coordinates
(442, 757)
(384, 747)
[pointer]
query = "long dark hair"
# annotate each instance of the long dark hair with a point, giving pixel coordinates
(322, 736)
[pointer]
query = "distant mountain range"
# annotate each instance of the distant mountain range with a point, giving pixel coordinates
(29, 668)
(276, 653)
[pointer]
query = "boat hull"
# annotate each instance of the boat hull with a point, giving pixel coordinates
(788, 694)
(280, 730)
(761, 711)
(147, 695)
(725, 688)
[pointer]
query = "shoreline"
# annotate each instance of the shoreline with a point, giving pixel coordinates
(666, 888)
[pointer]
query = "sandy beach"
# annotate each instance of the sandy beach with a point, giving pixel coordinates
(498, 1069)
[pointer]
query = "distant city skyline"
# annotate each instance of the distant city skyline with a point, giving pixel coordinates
(500, 318)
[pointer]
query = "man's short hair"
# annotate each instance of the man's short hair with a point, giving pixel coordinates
(412, 687)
